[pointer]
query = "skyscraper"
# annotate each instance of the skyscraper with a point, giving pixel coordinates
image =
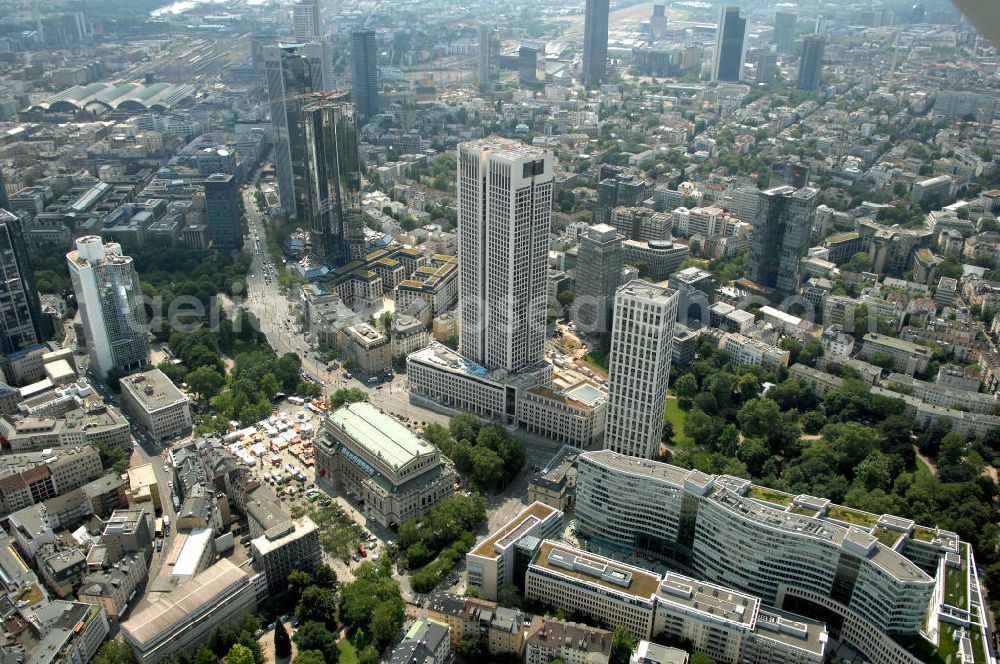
(485, 56)
(306, 20)
(4, 200)
(333, 170)
(639, 367)
(293, 71)
(595, 42)
(224, 210)
(811, 62)
(504, 220)
(780, 238)
(730, 46)
(784, 30)
(530, 66)
(364, 66)
(598, 275)
(110, 301)
(21, 322)
(658, 22)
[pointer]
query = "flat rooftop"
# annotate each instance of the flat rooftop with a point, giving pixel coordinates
(153, 390)
(529, 516)
(594, 570)
(281, 534)
(381, 434)
(716, 601)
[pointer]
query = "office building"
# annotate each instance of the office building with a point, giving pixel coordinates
(907, 357)
(639, 367)
(486, 55)
(224, 210)
(293, 72)
(659, 258)
(156, 405)
(33, 477)
(730, 46)
(531, 66)
(781, 237)
(364, 67)
(504, 220)
(811, 62)
(183, 618)
(306, 20)
(784, 30)
(111, 307)
(291, 544)
(880, 577)
(595, 42)
(112, 588)
(333, 174)
(4, 198)
(491, 563)
(658, 22)
(92, 423)
(932, 190)
(396, 473)
(600, 259)
(21, 322)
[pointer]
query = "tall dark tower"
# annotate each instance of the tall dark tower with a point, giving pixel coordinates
(333, 168)
(21, 322)
(293, 71)
(4, 200)
(595, 42)
(811, 62)
(781, 237)
(224, 210)
(730, 46)
(784, 30)
(364, 66)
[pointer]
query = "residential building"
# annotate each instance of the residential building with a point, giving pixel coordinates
(224, 210)
(907, 357)
(22, 325)
(397, 474)
(811, 63)
(143, 488)
(184, 617)
(937, 189)
(503, 266)
(781, 237)
(548, 639)
(293, 72)
(598, 275)
(292, 544)
(33, 477)
(730, 46)
(114, 587)
(944, 396)
(110, 302)
(498, 627)
(62, 632)
(156, 405)
(595, 42)
(491, 564)
(364, 68)
(333, 180)
(426, 642)
(61, 569)
(128, 531)
(745, 350)
(639, 367)
(91, 424)
(436, 284)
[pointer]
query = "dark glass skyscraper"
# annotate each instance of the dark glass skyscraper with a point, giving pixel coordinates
(364, 66)
(333, 168)
(811, 62)
(784, 30)
(781, 237)
(293, 71)
(595, 42)
(4, 200)
(223, 210)
(730, 46)
(21, 321)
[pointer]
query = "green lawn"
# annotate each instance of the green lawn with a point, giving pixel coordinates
(348, 653)
(598, 360)
(676, 417)
(922, 471)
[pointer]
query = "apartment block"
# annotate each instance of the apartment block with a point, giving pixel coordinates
(907, 357)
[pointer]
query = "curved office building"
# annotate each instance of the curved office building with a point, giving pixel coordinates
(876, 580)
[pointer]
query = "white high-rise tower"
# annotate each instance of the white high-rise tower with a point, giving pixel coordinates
(642, 336)
(504, 220)
(110, 301)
